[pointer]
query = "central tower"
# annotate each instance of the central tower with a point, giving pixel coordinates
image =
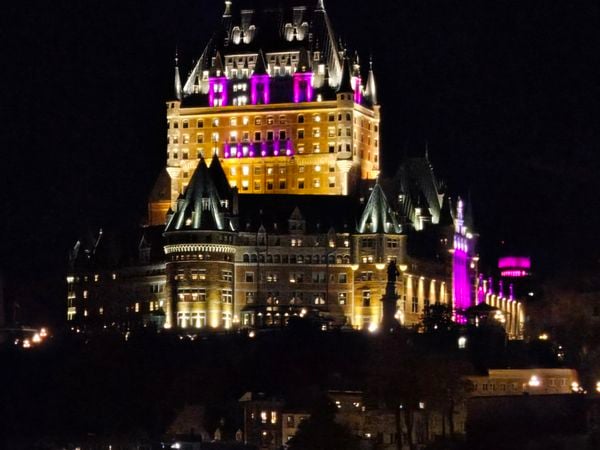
(281, 105)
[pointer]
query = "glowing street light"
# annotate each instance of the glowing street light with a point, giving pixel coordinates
(534, 381)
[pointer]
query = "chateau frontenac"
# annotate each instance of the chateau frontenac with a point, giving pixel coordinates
(271, 204)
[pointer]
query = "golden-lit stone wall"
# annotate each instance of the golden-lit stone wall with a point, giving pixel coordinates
(200, 286)
(292, 274)
(334, 143)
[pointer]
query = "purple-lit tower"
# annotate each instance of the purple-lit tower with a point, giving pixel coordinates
(463, 265)
(303, 80)
(260, 90)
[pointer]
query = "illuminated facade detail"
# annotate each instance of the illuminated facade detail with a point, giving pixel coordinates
(296, 108)
(271, 203)
(514, 266)
(516, 382)
(462, 278)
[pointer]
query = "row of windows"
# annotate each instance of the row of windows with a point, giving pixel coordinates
(299, 298)
(282, 184)
(199, 295)
(203, 256)
(198, 319)
(296, 259)
(297, 277)
(259, 120)
(372, 243)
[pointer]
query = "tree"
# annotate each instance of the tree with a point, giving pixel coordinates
(409, 381)
(396, 382)
(321, 432)
(437, 317)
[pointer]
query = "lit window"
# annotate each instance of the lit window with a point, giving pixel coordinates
(366, 297)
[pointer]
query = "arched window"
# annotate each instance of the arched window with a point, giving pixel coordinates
(246, 257)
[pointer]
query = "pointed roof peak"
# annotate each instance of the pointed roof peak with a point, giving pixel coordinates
(260, 68)
(177, 80)
(320, 5)
(346, 82)
(377, 216)
(227, 12)
(200, 206)
(371, 89)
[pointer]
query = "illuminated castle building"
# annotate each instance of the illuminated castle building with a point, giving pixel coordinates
(270, 205)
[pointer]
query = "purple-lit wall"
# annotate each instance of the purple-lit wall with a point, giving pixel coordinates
(461, 284)
(306, 94)
(217, 89)
(357, 90)
(255, 149)
(514, 262)
(260, 89)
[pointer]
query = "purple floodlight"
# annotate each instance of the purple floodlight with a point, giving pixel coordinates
(303, 89)
(217, 89)
(260, 89)
(514, 262)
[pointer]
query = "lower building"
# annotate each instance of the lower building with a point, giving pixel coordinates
(537, 381)
(226, 261)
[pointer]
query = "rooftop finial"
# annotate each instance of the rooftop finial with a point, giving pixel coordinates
(227, 12)
(320, 5)
(177, 85)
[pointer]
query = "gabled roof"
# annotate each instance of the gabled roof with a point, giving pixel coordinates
(416, 178)
(378, 216)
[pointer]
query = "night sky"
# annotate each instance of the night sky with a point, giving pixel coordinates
(506, 94)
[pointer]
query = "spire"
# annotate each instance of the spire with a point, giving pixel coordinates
(320, 5)
(371, 91)
(177, 83)
(356, 65)
(227, 12)
(346, 83)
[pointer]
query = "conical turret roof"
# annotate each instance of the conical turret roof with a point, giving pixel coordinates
(200, 206)
(378, 217)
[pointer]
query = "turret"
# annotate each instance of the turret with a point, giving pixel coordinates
(345, 86)
(371, 90)
(356, 80)
(177, 82)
